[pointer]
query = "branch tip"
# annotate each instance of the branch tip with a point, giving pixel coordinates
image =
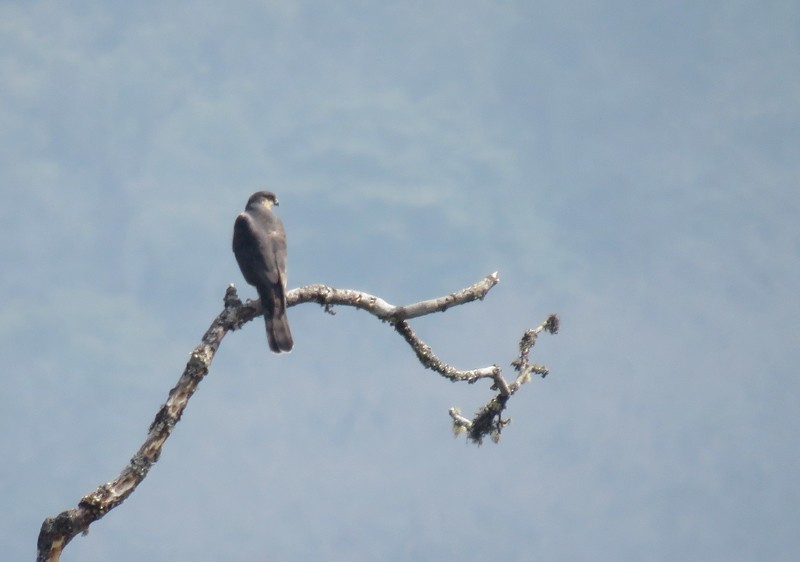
(552, 324)
(231, 298)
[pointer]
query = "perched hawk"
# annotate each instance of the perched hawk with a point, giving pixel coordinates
(259, 244)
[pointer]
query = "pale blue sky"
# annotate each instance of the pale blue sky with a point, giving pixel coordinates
(631, 166)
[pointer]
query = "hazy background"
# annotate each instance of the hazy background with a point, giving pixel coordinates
(632, 166)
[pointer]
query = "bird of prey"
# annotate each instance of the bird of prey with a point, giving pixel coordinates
(259, 244)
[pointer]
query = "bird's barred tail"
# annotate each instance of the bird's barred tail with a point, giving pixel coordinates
(279, 336)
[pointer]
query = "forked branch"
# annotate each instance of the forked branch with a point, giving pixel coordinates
(57, 532)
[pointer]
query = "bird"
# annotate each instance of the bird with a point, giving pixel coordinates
(259, 244)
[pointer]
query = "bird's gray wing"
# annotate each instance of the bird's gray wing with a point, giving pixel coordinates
(259, 252)
(277, 238)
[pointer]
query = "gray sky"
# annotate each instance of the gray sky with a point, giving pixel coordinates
(632, 166)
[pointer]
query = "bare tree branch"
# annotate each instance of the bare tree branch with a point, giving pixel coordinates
(57, 532)
(488, 420)
(329, 296)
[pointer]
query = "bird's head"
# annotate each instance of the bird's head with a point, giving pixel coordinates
(266, 198)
